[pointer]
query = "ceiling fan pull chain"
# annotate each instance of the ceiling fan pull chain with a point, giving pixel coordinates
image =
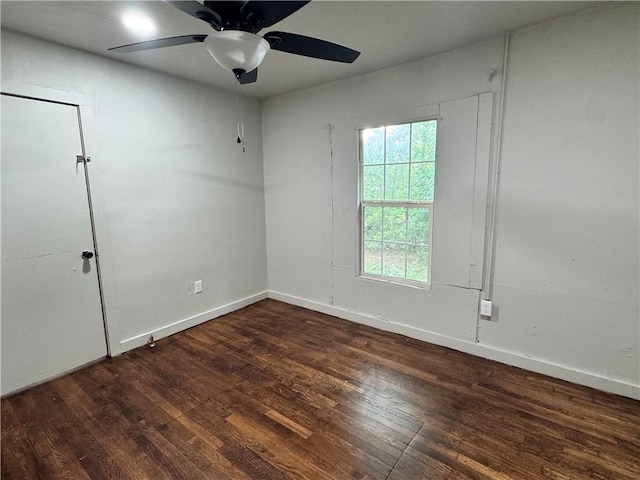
(240, 122)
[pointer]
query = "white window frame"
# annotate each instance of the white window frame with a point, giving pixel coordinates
(362, 204)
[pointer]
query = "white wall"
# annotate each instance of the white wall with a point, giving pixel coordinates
(176, 199)
(566, 256)
(566, 262)
(311, 191)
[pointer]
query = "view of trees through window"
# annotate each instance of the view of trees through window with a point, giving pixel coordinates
(397, 193)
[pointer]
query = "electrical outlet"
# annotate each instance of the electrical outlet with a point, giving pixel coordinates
(195, 287)
(485, 308)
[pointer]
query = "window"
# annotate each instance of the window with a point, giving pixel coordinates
(397, 179)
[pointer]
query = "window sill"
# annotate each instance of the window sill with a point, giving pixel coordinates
(394, 282)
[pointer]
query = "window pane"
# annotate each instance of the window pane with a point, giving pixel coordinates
(372, 145)
(397, 148)
(372, 226)
(422, 181)
(418, 226)
(373, 183)
(372, 257)
(417, 261)
(398, 168)
(397, 182)
(394, 260)
(423, 141)
(395, 224)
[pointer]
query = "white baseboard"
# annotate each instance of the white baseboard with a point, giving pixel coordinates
(180, 325)
(510, 358)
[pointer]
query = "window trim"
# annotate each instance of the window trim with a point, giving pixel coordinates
(394, 203)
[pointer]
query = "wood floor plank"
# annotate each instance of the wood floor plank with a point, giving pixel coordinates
(242, 452)
(416, 466)
(18, 457)
(278, 392)
(276, 452)
(290, 424)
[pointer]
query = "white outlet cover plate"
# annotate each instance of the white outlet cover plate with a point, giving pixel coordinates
(485, 308)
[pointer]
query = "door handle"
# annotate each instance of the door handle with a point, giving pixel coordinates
(87, 254)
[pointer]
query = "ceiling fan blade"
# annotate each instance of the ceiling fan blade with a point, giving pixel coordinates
(270, 12)
(159, 43)
(248, 77)
(310, 47)
(199, 11)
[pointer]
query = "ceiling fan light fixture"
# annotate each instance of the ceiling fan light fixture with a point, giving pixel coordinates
(237, 50)
(139, 24)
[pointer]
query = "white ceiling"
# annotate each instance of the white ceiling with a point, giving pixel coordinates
(386, 32)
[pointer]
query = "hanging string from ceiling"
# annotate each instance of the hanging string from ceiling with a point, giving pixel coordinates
(240, 122)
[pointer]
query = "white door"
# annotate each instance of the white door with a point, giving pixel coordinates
(51, 310)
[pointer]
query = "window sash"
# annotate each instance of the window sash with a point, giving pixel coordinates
(397, 203)
(425, 204)
(393, 279)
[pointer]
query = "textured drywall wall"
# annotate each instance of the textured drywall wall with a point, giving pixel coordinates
(566, 260)
(176, 200)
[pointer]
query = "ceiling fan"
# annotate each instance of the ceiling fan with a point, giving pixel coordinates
(235, 44)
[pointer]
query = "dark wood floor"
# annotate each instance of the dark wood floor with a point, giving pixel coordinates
(279, 392)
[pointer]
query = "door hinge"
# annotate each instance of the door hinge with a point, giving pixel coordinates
(82, 159)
